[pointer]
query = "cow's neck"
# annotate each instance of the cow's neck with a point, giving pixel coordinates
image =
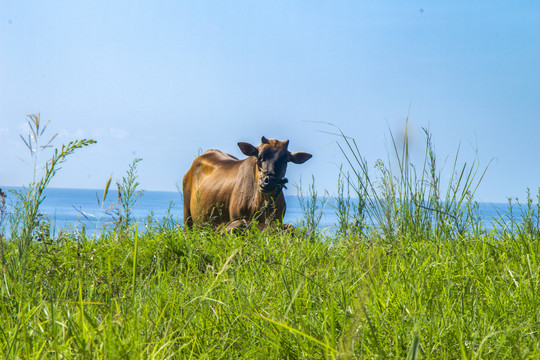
(265, 206)
(267, 198)
(262, 202)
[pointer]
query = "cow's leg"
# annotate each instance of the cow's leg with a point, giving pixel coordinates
(240, 225)
(288, 227)
(275, 226)
(188, 219)
(236, 225)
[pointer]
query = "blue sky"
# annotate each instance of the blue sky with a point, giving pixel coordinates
(165, 80)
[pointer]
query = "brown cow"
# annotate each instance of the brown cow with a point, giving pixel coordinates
(219, 189)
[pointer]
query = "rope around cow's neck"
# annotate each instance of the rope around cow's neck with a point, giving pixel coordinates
(281, 184)
(271, 200)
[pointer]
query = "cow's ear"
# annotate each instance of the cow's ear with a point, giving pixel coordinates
(299, 157)
(248, 149)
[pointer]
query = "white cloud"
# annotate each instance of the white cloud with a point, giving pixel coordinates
(79, 134)
(68, 134)
(98, 132)
(119, 133)
(23, 127)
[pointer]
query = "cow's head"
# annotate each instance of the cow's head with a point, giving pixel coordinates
(272, 158)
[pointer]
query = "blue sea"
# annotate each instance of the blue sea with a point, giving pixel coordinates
(70, 209)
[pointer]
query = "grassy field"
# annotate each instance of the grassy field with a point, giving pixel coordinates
(427, 282)
(169, 293)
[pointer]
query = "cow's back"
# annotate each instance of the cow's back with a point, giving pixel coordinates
(207, 187)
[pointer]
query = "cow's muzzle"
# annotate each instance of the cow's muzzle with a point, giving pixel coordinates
(271, 184)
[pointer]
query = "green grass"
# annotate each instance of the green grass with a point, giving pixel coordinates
(273, 295)
(429, 282)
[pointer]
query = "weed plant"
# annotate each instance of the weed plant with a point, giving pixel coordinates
(28, 225)
(406, 200)
(312, 206)
(128, 194)
(350, 217)
(422, 284)
(119, 214)
(3, 214)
